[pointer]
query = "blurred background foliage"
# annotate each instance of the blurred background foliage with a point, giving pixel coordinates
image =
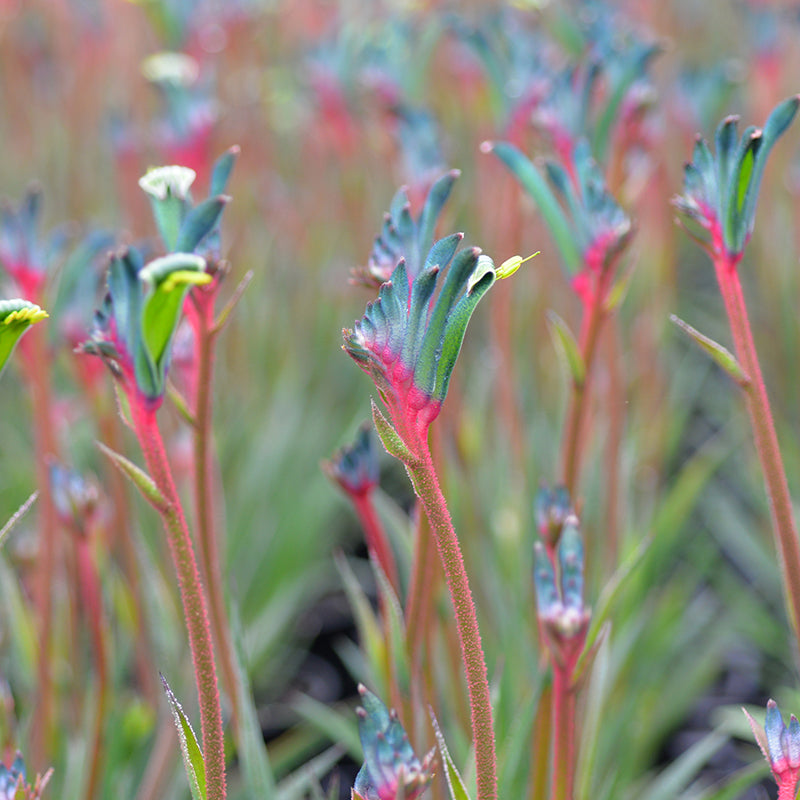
(336, 104)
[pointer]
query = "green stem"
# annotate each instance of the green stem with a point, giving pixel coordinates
(203, 490)
(192, 597)
(766, 439)
(426, 484)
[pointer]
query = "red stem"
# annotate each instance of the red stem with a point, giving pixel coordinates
(377, 543)
(192, 597)
(591, 324)
(36, 367)
(208, 538)
(426, 484)
(563, 777)
(766, 439)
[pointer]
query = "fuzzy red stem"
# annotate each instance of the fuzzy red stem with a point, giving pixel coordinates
(192, 597)
(203, 490)
(426, 484)
(377, 542)
(766, 439)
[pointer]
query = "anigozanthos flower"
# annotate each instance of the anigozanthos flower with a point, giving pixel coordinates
(391, 770)
(720, 191)
(780, 744)
(558, 579)
(403, 237)
(14, 784)
(134, 327)
(355, 467)
(409, 338)
(16, 316)
(589, 227)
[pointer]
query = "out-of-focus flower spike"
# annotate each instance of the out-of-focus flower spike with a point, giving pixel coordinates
(548, 600)
(391, 770)
(355, 467)
(16, 316)
(570, 559)
(720, 191)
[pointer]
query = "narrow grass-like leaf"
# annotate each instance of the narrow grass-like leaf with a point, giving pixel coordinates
(190, 749)
(722, 356)
(458, 791)
(568, 345)
(222, 171)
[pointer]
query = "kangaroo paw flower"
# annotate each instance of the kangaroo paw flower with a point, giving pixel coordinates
(391, 770)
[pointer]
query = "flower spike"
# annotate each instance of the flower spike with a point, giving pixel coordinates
(391, 769)
(720, 192)
(780, 745)
(403, 237)
(408, 342)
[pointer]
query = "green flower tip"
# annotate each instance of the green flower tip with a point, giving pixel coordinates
(177, 69)
(175, 270)
(20, 312)
(174, 181)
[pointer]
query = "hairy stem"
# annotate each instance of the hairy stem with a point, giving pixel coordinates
(203, 491)
(426, 484)
(766, 439)
(192, 597)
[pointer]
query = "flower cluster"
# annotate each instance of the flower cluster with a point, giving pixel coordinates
(403, 237)
(558, 579)
(720, 191)
(391, 770)
(355, 467)
(780, 745)
(590, 228)
(14, 784)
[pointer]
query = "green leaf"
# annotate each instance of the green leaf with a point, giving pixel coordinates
(190, 749)
(256, 769)
(536, 186)
(723, 357)
(394, 445)
(458, 791)
(565, 339)
(16, 316)
(139, 478)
